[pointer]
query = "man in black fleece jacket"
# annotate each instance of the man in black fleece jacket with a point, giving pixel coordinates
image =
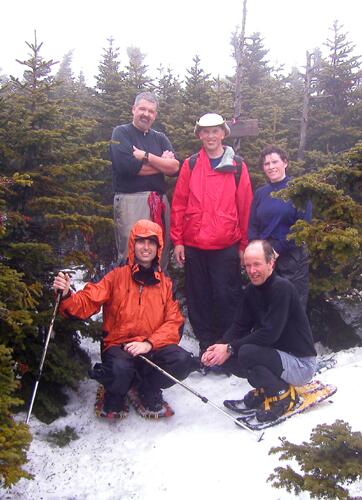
(270, 342)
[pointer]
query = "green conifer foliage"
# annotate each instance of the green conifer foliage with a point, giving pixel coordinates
(336, 118)
(334, 238)
(196, 99)
(112, 104)
(171, 107)
(329, 463)
(267, 97)
(56, 219)
(14, 437)
(136, 78)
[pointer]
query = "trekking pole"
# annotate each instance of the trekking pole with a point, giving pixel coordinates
(204, 399)
(56, 307)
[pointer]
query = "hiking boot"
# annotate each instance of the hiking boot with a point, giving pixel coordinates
(276, 406)
(101, 410)
(149, 404)
(254, 398)
(152, 401)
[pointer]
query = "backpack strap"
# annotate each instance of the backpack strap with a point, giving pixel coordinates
(239, 165)
(193, 160)
(238, 162)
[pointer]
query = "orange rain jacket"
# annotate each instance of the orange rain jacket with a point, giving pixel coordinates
(131, 311)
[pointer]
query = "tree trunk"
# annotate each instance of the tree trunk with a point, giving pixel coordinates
(239, 50)
(305, 109)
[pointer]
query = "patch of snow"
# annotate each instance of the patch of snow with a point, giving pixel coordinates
(197, 453)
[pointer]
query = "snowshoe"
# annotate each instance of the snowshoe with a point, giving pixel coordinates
(310, 395)
(151, 405)
(110, 414)
(251, 401)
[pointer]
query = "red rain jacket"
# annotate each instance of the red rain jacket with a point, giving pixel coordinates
(208, 210)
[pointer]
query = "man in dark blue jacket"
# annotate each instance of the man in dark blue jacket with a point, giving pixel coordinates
(270, 342)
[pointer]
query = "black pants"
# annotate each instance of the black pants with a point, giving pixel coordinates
(294, 266)
(213, 290)
(120, 371)
(261, 366)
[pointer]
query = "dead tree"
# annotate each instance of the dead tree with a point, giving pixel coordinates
(312, 65)
(238, 44)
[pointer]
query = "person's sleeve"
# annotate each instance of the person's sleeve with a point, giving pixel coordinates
(241, 326)
(253, 228)
(86, 302)
(244, 200)
(168, 332)
(166, 144)
(273, 322)
(121, 151)
(179, 204)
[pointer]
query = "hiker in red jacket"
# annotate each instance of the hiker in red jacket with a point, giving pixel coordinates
(209, 222)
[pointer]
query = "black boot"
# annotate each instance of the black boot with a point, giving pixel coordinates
(277, 405)
(254, 398)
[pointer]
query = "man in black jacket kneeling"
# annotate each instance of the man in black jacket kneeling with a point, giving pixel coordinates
(270, 342)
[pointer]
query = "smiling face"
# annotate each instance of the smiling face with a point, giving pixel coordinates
(274, 167)
(144, 114)
(257, 268)
(211, 138)
(145, 250)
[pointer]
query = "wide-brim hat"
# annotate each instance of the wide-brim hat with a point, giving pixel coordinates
(211, 120)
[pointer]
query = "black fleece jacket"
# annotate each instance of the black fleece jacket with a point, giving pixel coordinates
(271, 315)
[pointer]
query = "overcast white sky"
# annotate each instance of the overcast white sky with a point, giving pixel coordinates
(169, 32)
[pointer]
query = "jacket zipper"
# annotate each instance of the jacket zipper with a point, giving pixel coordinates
(140, 293)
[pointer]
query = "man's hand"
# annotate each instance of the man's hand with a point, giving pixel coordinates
(62, 282)
(136, 348)
(138, 153)
(168, 154)
(165, 164)
(179, 253)
(215, 355)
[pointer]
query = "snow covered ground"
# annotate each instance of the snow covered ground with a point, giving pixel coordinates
(196, 454)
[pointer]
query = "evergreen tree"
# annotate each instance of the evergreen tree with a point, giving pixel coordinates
(339, 96)
(64, 76)
(136, 80)
(14, 437)
(196, 99)
(221, 97)
(171, 107)
(265, 97)
(328, 464)
(111, 102)
(334, 237)
(340, 72)
(57, 219)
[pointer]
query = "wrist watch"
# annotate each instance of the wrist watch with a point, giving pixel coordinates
(145, 158)
(230, 349)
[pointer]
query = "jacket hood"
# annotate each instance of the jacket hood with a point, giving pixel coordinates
(144, 229)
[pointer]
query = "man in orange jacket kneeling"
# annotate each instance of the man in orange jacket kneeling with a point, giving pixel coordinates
(140, 317)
